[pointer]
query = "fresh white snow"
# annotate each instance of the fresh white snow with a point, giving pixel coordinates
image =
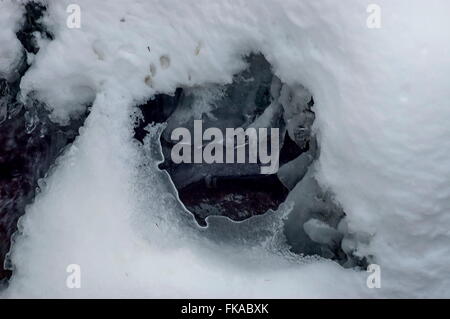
(10, 48)
(382, 121)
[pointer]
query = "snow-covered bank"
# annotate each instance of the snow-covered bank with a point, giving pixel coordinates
(382, 114)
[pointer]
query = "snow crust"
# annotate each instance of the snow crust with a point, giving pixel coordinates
(381, 103)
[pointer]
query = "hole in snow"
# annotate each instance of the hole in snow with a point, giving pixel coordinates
(256, 98)
(235, 190)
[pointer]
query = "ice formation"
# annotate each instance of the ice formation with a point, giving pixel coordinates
(381, 122)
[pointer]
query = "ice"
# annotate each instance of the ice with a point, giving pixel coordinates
(321, 233)
(297, 114)
(293, 172)
(381, 119)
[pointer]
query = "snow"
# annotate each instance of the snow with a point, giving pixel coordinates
(10, 48)
(381, 103)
